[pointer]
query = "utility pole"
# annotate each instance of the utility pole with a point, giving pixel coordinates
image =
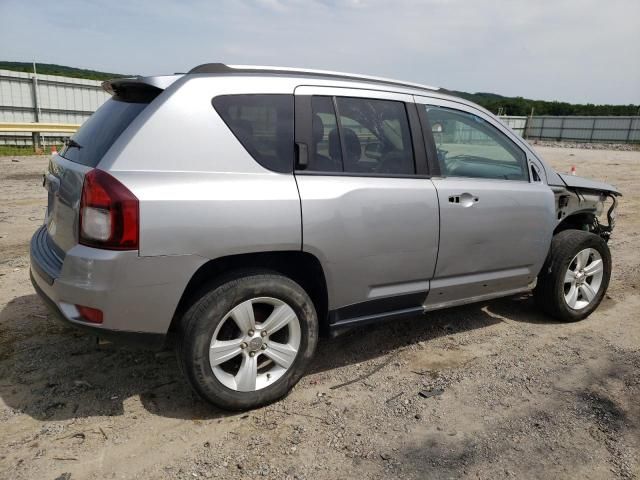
(527, 125)
(35, 94)
(36, 108)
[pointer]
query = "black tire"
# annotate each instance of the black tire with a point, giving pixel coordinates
(201, 320)
(549, 293)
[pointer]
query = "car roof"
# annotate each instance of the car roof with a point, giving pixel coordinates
(221, 68)
(356, 80)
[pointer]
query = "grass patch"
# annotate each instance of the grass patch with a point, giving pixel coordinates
(24, 151)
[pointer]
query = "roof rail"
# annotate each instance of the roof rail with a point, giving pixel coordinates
(231, 69)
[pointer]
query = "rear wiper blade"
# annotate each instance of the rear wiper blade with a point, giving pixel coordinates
(71, 143)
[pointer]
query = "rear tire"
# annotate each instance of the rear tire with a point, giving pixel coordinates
(575, 276)
(246, 342)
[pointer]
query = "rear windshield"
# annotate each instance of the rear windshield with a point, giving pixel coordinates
(100, 131)
(264, 126)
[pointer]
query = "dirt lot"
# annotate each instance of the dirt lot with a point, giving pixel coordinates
(521, 397)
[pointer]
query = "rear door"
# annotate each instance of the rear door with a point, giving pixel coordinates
(369, 210)
(496, 213)
(66, 171)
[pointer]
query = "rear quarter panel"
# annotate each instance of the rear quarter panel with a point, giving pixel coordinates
(200, 191)
(215, 214)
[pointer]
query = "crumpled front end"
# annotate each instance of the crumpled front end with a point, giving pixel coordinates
(586, 204)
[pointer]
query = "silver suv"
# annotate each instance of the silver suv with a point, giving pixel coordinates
(239, 211)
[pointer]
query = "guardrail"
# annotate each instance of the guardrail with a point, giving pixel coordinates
(30, 127)
(36, 129)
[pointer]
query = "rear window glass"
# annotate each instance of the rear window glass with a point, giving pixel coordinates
(264, 126)
(100, 131)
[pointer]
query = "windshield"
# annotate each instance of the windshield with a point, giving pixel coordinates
(100, 131)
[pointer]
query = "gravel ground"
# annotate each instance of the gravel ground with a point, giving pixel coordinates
(492, 390)
(626, 147)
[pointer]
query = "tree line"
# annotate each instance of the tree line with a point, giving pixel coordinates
(524, 106)
(61, 70)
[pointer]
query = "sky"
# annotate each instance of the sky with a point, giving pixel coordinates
(582, 51)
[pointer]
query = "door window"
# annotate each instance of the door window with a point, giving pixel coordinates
(468, 146)
(366, 136)
(326, 152)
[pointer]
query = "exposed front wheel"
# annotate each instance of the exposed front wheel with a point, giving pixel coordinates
(247, 342)
(575, 276)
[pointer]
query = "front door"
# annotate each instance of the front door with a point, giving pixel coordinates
(496, 222)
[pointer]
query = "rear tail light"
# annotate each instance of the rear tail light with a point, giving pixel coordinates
(88, 314)
(109, 213)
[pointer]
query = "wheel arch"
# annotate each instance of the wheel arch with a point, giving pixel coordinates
(302, 267)
(578, 220)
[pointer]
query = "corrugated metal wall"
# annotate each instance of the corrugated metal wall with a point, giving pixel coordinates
(584, 129)
(54, 100)
(517, 124)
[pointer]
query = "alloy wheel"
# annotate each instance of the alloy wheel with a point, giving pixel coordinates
(255, 344)
(583, 278)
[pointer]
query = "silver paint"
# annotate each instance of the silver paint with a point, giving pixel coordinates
(370, 233)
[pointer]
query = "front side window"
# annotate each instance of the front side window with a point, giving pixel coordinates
(264, 126)
(358, 135)
(468, 146)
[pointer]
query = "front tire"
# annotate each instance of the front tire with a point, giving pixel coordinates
(575, 276)
(248, 341)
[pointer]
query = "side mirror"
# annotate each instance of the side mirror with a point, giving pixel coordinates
(373, 150)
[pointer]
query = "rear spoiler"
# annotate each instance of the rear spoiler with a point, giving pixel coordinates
(138, 88)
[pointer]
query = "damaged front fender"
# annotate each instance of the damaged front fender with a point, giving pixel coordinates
(573, 181)
(581, 202)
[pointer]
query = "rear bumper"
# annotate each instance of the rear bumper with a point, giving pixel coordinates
(45, 258)
(152, 341)
(137, 295)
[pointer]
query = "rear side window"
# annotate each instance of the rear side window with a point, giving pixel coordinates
(326, 154)
(100, 131)
(375, 136)
(264, 126)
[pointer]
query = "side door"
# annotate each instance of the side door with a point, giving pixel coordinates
(496, 212)
(369, 209)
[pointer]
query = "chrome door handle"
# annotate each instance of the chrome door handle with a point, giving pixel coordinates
(464, 199)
